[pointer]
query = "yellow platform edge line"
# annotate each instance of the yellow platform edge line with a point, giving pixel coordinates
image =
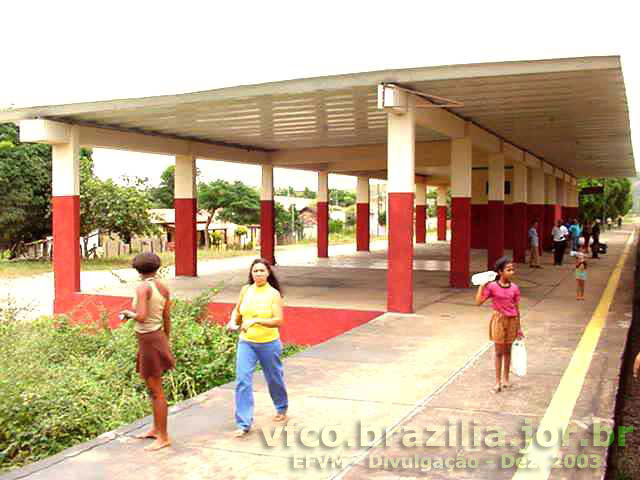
(538, 462)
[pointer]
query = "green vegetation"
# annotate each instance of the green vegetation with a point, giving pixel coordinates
(61, 384)
(616, 201)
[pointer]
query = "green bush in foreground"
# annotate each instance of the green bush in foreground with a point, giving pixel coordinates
(61, 384)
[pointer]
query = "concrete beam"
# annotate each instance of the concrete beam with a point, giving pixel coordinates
(48, 131)
(44, 131)
(531, 161)
(484, 140)
(513, 153)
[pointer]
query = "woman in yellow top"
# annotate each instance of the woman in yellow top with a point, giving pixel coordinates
(260, 310)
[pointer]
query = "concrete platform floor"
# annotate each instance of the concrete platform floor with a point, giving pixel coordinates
(397, 372)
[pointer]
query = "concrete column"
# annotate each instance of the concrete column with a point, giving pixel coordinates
(495, 210)
(519, 213)
(185, 204)
(65, 199)
(421, 213)
(479, 208)
(322, 207)
(362, 215)
(536, 195)
(550, 211)
(441, 209)
(400, 184)
(267, 216)
(561, 199)
(461, 161)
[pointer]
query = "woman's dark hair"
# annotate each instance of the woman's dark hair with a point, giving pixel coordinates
(501, 263)
(271, 279)
(146, 262)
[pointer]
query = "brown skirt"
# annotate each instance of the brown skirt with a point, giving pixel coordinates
(503, 329)
(154, 355)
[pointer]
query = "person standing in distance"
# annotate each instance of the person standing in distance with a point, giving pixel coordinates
(534, 245)
(259, 309)
(595, 233)
(560, 235)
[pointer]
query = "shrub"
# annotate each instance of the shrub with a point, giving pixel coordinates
(63, 384)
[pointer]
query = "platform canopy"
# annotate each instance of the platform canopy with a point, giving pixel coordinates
(572, 113)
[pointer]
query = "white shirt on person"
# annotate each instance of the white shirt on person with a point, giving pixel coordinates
(560, 233)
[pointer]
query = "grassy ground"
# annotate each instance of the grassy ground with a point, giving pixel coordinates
(23, 268)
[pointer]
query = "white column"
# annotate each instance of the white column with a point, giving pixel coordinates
(266, 192)
(550, 197)
(441, 200)
(519, 183)
(362, 190)
(421, 193)
(537, 194)
(65, 167)
(496, 177)
(185, 177)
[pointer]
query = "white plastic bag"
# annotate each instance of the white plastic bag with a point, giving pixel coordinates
(519, 358)
(483, 277)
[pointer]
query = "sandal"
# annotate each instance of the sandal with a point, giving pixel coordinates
(240, 433)
(280, 417)
(496, 389)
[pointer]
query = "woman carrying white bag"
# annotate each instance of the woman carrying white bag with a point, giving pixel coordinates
(504, 327)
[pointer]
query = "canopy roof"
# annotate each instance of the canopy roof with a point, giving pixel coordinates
(570, 112)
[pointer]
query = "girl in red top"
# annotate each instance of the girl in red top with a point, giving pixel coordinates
(504, 327)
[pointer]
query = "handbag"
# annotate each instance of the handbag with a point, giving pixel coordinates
(519, 358)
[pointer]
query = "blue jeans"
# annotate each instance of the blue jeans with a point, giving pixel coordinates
(247, 356)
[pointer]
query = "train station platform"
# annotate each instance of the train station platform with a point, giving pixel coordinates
(403, 395)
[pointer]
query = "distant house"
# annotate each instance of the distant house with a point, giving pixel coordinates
(165, 218)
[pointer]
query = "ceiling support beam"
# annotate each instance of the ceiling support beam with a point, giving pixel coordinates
(52, 132)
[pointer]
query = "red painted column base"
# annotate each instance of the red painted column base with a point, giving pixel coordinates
(186, 237)
(323, 229)
(66, 247)
(460, 242)
(495, 233)
(442, 222)
(267, 231)
(421, 224)
(362, 227)
(520, 233)
(400, 272)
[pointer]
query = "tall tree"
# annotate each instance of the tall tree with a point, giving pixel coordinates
(110, 208)
(25, 190)
(231, 202)
(615, 201)
(162, 196)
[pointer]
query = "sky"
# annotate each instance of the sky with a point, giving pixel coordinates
(71, 51)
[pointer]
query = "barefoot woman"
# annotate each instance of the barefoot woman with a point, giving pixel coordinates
(153, 327)
(260, 309)
(504, 327)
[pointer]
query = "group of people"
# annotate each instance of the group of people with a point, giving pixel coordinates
(258, 315)
(566, 234)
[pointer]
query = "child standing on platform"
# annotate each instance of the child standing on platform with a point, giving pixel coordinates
(581, 269)
(504, 327)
